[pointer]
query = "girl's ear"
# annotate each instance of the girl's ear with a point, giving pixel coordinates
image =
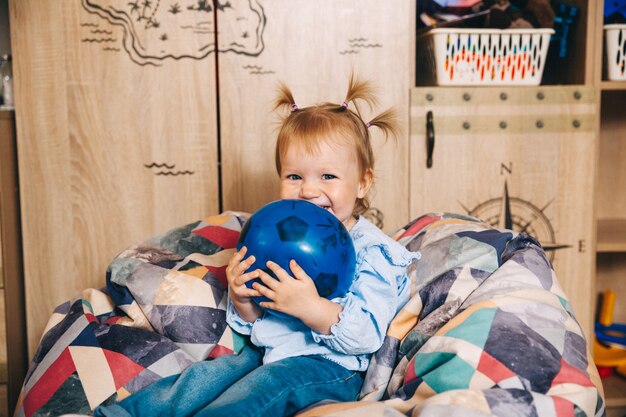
(365, 183)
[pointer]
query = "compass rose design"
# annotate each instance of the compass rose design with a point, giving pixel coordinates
(514, 213)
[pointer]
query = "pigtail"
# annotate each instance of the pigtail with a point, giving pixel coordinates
(387, 121)
(285, 98)
(359, 90)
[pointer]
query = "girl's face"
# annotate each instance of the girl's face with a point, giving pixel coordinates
(328, 178)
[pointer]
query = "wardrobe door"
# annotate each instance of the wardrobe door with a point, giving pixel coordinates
(117, 134)
(520, 158)
(312, 46)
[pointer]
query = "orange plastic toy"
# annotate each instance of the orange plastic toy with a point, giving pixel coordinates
(609, 350)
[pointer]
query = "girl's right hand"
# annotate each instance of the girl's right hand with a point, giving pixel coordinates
(237, 277)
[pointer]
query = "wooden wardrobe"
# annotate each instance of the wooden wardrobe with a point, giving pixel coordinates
(129, 123)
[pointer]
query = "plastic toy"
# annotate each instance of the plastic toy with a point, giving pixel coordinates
(313, 237)
(563, 22)
(613, 8)
(609, 349)
(607, 331)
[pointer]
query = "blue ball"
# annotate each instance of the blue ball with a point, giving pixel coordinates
(312, 236)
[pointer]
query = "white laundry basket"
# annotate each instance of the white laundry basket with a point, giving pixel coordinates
(458, 56)
(615, 51)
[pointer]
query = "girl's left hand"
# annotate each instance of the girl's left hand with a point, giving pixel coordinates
(296, 296)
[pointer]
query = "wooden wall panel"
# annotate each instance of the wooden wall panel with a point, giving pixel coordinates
(105, 99)
(498, 145)
(312, 47)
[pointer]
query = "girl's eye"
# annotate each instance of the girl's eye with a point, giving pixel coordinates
(328, 176)
(293, 177)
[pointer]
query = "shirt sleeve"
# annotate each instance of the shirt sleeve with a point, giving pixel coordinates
(368, 308)
(235, 321)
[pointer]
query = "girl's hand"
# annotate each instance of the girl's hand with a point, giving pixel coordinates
(297, 296)
(237, 278)
(239, 293)
(291, 295)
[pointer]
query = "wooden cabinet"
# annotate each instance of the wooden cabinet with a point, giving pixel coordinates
(118, 128)
(13, 359)
(117, 137)
(518, 158)
(611, 212)
(601, 157)
(611, 200)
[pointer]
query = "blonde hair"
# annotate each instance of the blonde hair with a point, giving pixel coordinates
(315, 124)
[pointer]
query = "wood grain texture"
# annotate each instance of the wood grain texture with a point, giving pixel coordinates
(487, 146)
(313, 47)
(611, 235)
(91, 122)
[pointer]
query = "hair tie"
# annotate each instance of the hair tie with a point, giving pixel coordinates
(368, 125)
(294, 107)
(344, 104)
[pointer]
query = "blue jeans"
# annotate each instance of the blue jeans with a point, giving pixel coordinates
(237, 385)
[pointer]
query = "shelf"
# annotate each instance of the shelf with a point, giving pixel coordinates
(613, 85)
(611, 235)
(615, 391)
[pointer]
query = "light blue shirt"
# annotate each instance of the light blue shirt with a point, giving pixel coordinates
(381, 287)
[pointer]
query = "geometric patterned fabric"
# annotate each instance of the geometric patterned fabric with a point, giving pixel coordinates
(163, 308)
(487, 330)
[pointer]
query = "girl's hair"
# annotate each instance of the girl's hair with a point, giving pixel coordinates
(315, 124)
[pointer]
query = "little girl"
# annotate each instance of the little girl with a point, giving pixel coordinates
(322, 348)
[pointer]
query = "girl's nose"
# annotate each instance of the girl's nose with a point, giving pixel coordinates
(309, 190)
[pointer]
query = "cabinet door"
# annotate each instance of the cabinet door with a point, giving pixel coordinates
(117, 135)
(312, 46)
(520, 158)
